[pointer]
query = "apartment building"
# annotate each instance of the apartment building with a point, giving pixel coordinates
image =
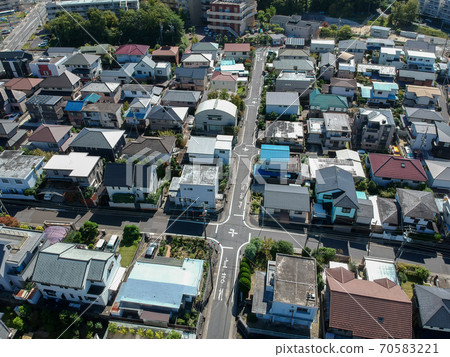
(231, 16)
(377, 128)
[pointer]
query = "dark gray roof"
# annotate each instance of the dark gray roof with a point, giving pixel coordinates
(352, 44)
(417, 204)
(4, 330)
(65, 80)
(181, 96)
(282, 98)
(294, 64)
(327, 59)
(63, 264)
(443, 130)
(7, 126)
(162, 112)
(419, 46)
(127, 175)
(288, 197)
(334, 178)
(98, 138)
(81, 59)
(423, 114)
(7, 55)
(148, 145)
(434, 306)
(40, 99)
(365, 208)
(388, 210)
(102, 107)
(194, 73)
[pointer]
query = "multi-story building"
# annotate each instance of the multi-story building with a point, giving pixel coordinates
(231, 16)
(104, 115)
(377, 128)
(16, 63)
(87, 67)
(82, 6)
(6, 5)
(389, 56)
(337, 130)
(420, 61)
(48, 109)
(436, 8)
(48, 66)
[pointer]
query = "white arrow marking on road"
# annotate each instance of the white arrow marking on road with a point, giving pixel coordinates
(240, 205)
(232, 232)
(220, 296)
(225, 263)
(245, 149)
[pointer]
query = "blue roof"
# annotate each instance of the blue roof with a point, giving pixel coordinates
(384, 86)
(93, 98)
(161, 285)
(227, 62)
(275, 152)
(74, 106)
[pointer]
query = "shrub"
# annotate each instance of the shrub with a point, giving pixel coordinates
(283, 247)
(89, 231)
(131, 234)
(18, 323)
(244, 286)
(246, 275)
(306, 252)
(245, 269)
(250, 251)
(98, 326)
(402, 277)
(140, 332)
(112, 327)
(39, 228)
(149, 333)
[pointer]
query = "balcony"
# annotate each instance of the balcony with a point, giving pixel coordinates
(240, 22)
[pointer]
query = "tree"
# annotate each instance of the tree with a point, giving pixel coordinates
(362, 185)
(244, 285)
(18, 323)
(112, 327)
(9, 221)
(89, 231)
(404, 14)
(213, 95)
(250, 251)
(344, 33)
(149, 333)
(224, 94)
(131, 234)
(372, 188)
(25, 312)
(282, 247)
(257, 242)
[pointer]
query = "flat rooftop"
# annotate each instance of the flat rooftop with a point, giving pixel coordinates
(22, 242)
(199, 175)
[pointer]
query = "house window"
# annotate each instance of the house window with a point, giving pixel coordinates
(206, 202)
(5, 180)
(381, 319)
(50, 292)
(19, 182)
(297, 212)
(327, 197)
(210, 190)
(346, 210)
(301, 310)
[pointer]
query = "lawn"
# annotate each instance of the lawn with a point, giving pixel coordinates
(127, 254)
(408, 288)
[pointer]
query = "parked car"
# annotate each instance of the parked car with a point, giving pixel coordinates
(48, 196)
(151, 250)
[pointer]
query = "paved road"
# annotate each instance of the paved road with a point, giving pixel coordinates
(22, 32)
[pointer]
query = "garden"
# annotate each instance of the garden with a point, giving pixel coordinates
(121, 331)
(410, 275)
(129, 244)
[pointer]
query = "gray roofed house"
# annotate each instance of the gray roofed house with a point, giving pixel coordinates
(81, 59)
(181, 98)
(443, 131)
(440, 147)
(388, 211)
(346, 45)
(365, 211)
(327, 59)
(294, 42)
(284, 133)
(10, 135)
(61, 51)
(438, 172)
(205, 46)
(167, 117)
(151, 145)
(433, 305)
(102, 107)
(107, 143)
(293, 53)
(423, 46)
(297, 65)
(68, 271)
(420, 114)
(101, 87)
(5, 331)
(416, 204)
(282, 98)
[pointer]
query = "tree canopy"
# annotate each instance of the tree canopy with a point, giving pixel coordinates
(131, 234)
(404, 13)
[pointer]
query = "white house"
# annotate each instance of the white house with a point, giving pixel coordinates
(438, 172)
(141, 91)
(204, 150)
(287, 293)
(198, 186)
(206, 48)
(121, 75)
(283, 103)
(390, 56)
(76, 274)
(379, 31)
(48, 66)
(422, 135)
(145, 68)
(343, 86)
(214, 115)
(322, 46)
(18, 247)
(18, 172)
(77, 167)
(421, 61)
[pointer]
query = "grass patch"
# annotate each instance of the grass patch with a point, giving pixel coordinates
(26, 46)
(408, 288)
(256, 202)
(425, 30)
(127, 254)
(242, 91)
(123, 198)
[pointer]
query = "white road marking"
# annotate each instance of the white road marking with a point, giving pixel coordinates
(245, 149)
(231, 248)
(225, 263)
(220, 296)
(240, 205)
(217, 228)
(238, 215)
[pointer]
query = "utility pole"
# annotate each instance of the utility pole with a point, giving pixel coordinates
(82, 196)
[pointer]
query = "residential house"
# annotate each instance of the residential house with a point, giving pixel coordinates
(343, 87)
(158, 288)
(345, 159)
(105, 115)
(319, 102)
(145, 69)
(137, 113)
(149, 148)
(11, 137)
(167, 54)
(48, 66)
(167, 118)
(46, 108)
(354, 47)
(322, 46)
(18, 248)
(16, 63)
(292, 53)
(389, 213)
(380, 94)
(230, 66)
(224, 80)
(74, 109)
(431, 304)
(107, 143)
(191, 78)
(377, 43)
(109, 92)
(422, 115)
(18, 89)
(377, 72)
(68, 272)
(335, 192)
(419, 45)
(337, 131)
(132, 91)
(87, 67)
(77, 167)
(377, 128)
(283, 103)
(239, 16)
(286, 294)
(66, 85)
(14, 101)
(421, 136)
(294, 26)
(365, 214)
(122, 75)
(294, 82)
(417, 78)
(327, 66)
(298, 65)
(277, 39)
(441, 144)
(418, 209)
(423, 97)
(210, 150)
(48, 137)
(346, 65)
(197, 187)
(237, 51)
(163, 71)
(5, 331)
(281, 132)
(420, 61)
(379, 31)
(359, 308)
(210, 48)
(61, 51)
(181, 98)
(18, 172)
(289, 204)
(438, 172)
(197, 60)
(216, 115)
(385, 169)
(294, 42)
(82, 7)
(389, 56)
(138, 180)
(103, 50)
(131, 53)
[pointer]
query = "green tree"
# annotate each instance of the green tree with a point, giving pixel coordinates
(244, 285)
(362, 185)
(282, 247)
(224, 94)
(213, 94)
(18, 323)
(250, 251)
(403, 14)
(344, 33)
(372, 188)
(131, 234)
(25, 312)
(89, 231)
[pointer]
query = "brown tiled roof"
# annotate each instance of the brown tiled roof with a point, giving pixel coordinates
(370, 309)
(224, 76)
(237, 47)
(166, 51)
(23, 84)
(50, 133)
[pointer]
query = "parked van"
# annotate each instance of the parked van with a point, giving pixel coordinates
(112, 243)
(100, 244)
